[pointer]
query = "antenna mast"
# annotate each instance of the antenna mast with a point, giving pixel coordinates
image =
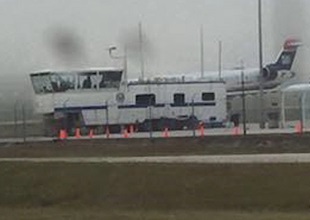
(201, 52)
(141, 50)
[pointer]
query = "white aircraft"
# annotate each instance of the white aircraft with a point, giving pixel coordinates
(274, 74)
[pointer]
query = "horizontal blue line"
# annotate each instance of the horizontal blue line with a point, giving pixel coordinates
(80, 108)
(140, 106)
(194, 104)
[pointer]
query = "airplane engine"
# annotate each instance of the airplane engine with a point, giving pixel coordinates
(270, 73)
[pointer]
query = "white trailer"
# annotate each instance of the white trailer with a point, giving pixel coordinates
(99, 97)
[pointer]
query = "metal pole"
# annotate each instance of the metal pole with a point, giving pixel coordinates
(141, 50)
(15, 119)
(107, 113)
(283, 110)
(220, 60)
(261, 88)
(65, 116)
(24, 123)
(151, 124)
(243, 101)
(201, 52)
(193, 115)
(301, 111)
(125, 66)
(150, 118)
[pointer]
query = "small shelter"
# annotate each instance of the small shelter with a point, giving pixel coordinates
(295, 105)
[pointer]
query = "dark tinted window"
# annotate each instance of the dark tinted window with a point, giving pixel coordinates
(110, 79)
(179, 99)
(208, 96)
(145, 99)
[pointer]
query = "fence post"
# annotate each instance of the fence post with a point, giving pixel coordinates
(150, 124)
(192, 118)
(15, 119)
(107, 130)
(24, 122)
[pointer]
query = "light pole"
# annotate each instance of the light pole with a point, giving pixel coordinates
(201, 52)
(141, 50)
(261, 88)
(124, 57)
(220, 60)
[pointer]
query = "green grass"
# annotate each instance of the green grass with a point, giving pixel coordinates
(156, 187)
(154, 191)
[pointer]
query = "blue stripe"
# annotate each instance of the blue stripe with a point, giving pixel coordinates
(194, 104)
(80, 108)
(203, 104)
(140, 106)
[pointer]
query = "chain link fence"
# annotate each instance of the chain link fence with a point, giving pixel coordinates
(19, 121)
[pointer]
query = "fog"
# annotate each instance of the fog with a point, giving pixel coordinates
(53, 34)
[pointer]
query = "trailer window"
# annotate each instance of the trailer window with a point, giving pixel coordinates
(179, 99)
(145, 99)
(110, 79)
(208, 96)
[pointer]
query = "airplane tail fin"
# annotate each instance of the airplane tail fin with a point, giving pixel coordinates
(284, 61)
(286, 57)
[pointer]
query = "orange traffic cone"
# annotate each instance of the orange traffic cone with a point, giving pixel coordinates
(202, 130)
(78, 133)
(299, 128)
(236, 131)
(166, 132)
(125, 132)
(91, 133)
(62, 134)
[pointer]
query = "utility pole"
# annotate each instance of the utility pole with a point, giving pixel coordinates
(124, 58)
(141, 50)
(193, 118)
(261, 88)
(125, 66)
(201, 52)
(220, 60)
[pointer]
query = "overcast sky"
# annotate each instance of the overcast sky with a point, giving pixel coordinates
(171, 30)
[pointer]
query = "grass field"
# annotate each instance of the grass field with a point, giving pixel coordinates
(154, 191)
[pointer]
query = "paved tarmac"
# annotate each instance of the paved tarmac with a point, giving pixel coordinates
(224, 159)
(251, 129)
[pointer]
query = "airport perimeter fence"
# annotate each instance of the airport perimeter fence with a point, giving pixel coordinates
(19, 121)
(157, 120)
